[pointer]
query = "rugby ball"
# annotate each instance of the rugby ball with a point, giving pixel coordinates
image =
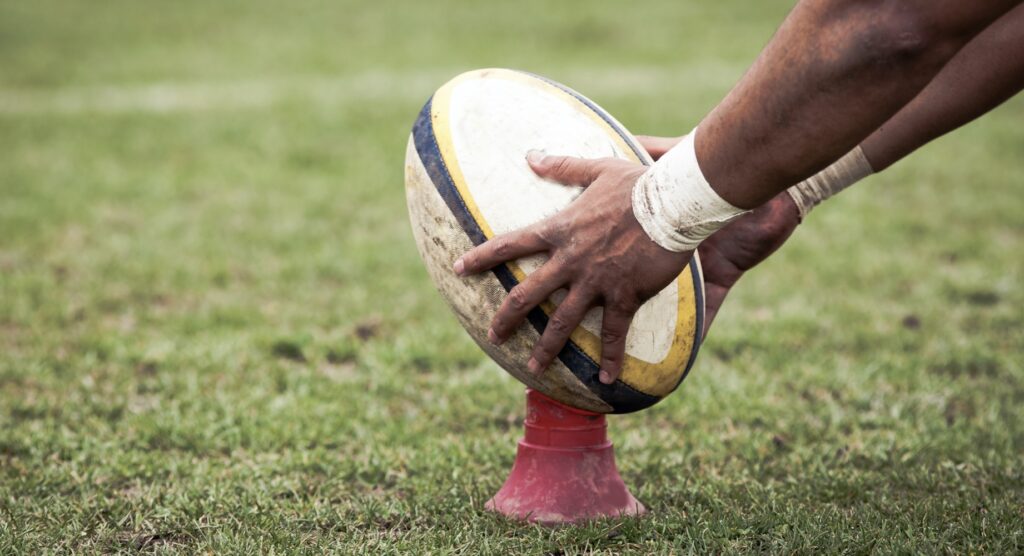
(467, 180)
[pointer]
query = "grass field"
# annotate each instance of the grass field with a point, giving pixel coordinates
(216, 334)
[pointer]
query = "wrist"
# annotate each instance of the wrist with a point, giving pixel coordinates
(843, 173)
(675, 204)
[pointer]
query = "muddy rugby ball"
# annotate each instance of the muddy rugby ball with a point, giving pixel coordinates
(467, 180)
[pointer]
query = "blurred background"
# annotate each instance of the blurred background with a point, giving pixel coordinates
(216, 334)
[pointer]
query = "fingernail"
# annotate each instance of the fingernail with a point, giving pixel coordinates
(533, 365)
(492, 337)
(534, 156)
(459, 267)
(605, 377)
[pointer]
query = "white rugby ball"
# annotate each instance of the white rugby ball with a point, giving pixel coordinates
(467, 180)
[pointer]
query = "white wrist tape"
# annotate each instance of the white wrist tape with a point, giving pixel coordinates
(674, 203)
(843, 173)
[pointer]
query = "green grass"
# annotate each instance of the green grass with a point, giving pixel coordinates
(216, 334)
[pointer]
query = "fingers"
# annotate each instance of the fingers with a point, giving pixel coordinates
(522, 299)
(714, 296)
(568, 170)
(614, 329)
(499, 249)
(560, 325)
(657, 146)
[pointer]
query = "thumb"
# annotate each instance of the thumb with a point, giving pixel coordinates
(657, 146)
(568, 170)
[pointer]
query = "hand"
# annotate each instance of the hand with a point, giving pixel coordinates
(597, 250)
(739, 246)
(742, 245)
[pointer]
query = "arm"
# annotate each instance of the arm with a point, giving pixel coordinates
(986, 72)
(832, 75)
(851, 64)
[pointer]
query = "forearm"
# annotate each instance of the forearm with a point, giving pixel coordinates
(847, 65)
(982, 75)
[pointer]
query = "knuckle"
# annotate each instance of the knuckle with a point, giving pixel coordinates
(539, 234)
(544, 233)
(502, 247)
(542, 354)
(556, 228)
(518, 298)
(621, 304)
(560, 325)
(558, 164)
(562, 258)
(613, 336)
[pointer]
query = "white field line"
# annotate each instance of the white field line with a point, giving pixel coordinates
(325, 90)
